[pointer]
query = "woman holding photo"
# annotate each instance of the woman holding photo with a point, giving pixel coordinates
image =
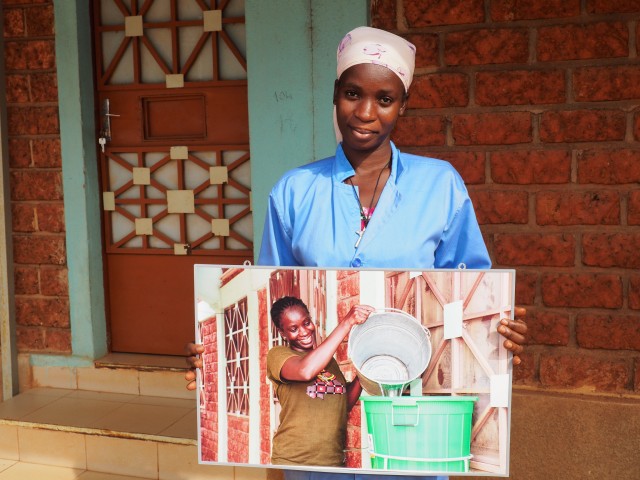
(370, 205)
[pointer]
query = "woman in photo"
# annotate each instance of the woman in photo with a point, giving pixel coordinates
(314, 396)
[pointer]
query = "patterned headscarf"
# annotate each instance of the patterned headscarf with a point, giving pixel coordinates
(371, 45)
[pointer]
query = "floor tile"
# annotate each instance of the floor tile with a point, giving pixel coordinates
(24, 471)
(20, 406)
(9, 442)
(52, 447)
(48, 392)
(104, 476)
(108, 380)
(165, 384)
(165, 401)
(122, 456)
(73, 412)
(185, 427)
(4, 464)
(56, 377)
(181, 462)
(104, 396)
(149, 419)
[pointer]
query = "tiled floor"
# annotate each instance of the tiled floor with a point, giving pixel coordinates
(13, 470)
(134, 414)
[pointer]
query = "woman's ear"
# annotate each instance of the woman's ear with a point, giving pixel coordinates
(336, 85)
(405, 101)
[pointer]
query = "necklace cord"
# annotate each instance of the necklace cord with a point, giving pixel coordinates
(365, 218)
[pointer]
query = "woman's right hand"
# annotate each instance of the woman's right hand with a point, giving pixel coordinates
(358, 314)
(193, 352)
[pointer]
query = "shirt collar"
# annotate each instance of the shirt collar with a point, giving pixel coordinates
(342, 169)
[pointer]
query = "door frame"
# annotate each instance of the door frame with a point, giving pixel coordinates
(314, 50)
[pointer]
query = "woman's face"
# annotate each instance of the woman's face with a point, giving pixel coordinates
(298, 328)
(368, 99)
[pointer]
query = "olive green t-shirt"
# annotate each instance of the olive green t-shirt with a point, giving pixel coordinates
(312, 430)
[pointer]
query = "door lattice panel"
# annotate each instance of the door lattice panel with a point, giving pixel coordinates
(169, 42)
(157, 204)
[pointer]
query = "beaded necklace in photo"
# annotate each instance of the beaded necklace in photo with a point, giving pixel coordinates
(366, 217)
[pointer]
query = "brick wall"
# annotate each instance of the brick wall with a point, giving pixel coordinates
(265, 387)
(209, 414)
(348, 296)
(42, 302)
(536, 105)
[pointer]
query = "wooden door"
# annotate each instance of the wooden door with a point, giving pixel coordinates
(172, 87)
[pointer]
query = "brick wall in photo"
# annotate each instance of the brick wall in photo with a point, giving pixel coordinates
(209, 412)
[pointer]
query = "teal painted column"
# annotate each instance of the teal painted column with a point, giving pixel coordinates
(80, 181)
(291, 47)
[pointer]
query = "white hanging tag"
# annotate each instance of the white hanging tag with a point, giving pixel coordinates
(499, 388)
(453, 320)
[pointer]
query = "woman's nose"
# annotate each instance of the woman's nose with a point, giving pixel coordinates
(365, 110)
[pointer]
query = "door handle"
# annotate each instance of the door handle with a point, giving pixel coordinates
(105, 131)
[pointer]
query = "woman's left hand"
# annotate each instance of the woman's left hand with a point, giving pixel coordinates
(515, 332)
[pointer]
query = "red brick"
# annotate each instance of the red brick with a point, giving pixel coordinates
(613, 332)
(470, 165)
(27, 281)
(613, 6)
(49, 312)
(636, 123)
(50, 217)
(597, 84)
(525, 373)
(526, 288)
(36, 185)
(636, 382)
(520, 87)
(510, 10)
(427, 46)
(580, 41)
(383, 14)
(47, 153)
(582, 126)
(495, 207)
(439, 90)
(57, 340)
(578, 371)
(13, 22)
(35, 250)
(609, 167)
(485, 47)
(17, 89)
(492, 128)
(30, 339)
(19, 153)
(634, 293)
(611, 250)
(578, 208)
(54, 281)
(349, 287)
(30, 55)
(548, 328)
(33, 120)
(23, 218)
(582, 290)
(40, 21)
(353, 437)
(420, 131)
(345, 305)
(354, 417)
(44, 87)
(353, 459)
(552, 250)
(526, 167)
(442, 12)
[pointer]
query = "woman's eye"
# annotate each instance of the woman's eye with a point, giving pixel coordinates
(386, 100)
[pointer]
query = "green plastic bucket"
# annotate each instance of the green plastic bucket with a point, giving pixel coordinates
(419, 433)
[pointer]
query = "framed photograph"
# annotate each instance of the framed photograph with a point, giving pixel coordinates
(421, 384)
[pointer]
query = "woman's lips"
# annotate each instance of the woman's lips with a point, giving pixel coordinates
(362, 132)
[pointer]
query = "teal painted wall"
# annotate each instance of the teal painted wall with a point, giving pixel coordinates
(291, 53)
